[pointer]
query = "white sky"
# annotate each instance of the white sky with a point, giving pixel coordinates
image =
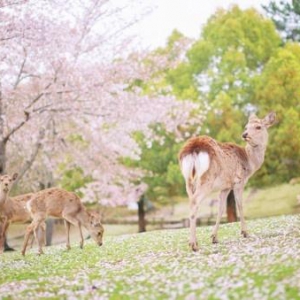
(188, 16)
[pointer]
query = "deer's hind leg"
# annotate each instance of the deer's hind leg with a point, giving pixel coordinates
(33, 228)
(195, 200)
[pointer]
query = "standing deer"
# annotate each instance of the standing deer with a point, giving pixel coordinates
(208, 165)
(55, 202)
(12, 209)
(6, 183)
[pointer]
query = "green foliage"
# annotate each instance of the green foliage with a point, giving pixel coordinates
(279, 89)
(74, 179)
(240, 42)
(238, 65)
(158, 159)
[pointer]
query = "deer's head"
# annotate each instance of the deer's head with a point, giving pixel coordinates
(256, 131)
(6, 182)
(96, 229)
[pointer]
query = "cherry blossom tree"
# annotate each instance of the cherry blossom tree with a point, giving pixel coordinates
(64, 73)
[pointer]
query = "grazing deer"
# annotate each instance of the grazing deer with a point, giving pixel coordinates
(208, 165)
(55, 202)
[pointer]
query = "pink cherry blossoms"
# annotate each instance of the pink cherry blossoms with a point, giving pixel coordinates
(64, 70)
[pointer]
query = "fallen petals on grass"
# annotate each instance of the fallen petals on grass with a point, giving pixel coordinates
(160, 265)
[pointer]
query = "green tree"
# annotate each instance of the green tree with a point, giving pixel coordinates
(159, 161)
(73, 179)
(223, 66)
(279, 88)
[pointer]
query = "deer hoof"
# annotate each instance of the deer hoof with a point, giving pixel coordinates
(244, 233)
(214, 239)
(194, 246)
(23, 253)
(68, 247)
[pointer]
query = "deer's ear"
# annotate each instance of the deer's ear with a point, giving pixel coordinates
(269, 119)
(15, 176)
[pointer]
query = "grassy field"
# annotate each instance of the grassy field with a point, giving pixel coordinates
(159, 265)
(258, 203)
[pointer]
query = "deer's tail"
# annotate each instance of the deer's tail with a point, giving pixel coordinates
(193, 166)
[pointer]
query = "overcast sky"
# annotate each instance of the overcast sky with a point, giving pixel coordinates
(188, 16)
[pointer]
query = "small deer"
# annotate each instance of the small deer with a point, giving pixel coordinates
(55, 202)
(208, 165)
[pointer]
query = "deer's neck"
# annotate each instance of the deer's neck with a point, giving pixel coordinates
(256, 156)
(83, 217)
(3, 197)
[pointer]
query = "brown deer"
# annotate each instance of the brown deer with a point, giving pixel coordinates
(6, 183)
(12, 209)
(55, 202)
(208, 165)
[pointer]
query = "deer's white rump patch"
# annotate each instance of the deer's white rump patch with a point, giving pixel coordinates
(197, 162)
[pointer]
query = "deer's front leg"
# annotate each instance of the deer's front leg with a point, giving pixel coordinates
(238, 193)
(67, 226)
(4, 224)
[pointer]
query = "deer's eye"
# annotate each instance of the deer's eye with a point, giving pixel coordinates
(258, 127)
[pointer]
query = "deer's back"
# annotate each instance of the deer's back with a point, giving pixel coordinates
(228, 162)
(54, 201)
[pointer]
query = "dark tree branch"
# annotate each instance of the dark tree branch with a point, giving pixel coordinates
(17, 127)
(18, 80)
(28, 163)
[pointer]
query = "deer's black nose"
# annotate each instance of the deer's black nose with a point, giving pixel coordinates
(245, 134)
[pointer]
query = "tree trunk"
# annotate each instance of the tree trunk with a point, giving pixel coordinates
(2, 157)
(2, 171)
(49, 231)
(141, 215)
(231, 208)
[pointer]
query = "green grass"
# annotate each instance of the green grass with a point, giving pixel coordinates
(271, 201)
(159, 265)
